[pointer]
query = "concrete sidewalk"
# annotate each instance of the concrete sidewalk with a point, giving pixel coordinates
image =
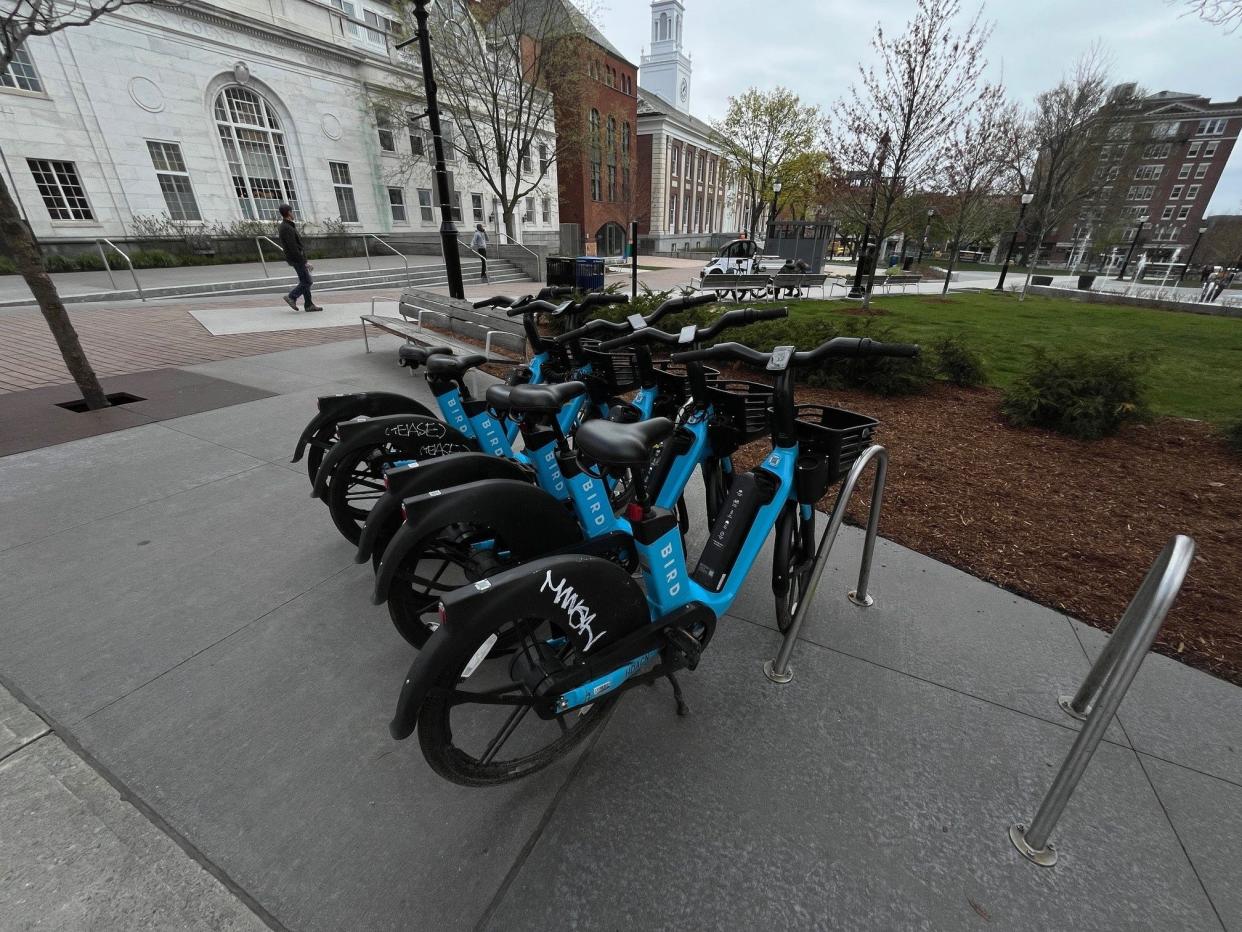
(197, 626)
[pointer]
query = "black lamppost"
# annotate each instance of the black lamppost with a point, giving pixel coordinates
(776, 196)
(1013, 242)
(931, 212)
(1130, 253)
(864, 249)
(1191, 258)
(448, 230)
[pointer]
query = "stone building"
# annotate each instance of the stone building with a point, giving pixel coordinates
(687, 198)
(215, 113)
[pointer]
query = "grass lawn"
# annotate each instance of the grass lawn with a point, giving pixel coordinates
(1196, 360)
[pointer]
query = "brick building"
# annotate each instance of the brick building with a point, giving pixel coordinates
(1168, 156)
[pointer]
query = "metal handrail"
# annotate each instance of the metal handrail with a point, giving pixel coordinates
(103, 254)
(1102, 691)
(778, 670)
(399, 255)
(258, 241)
(534, 255)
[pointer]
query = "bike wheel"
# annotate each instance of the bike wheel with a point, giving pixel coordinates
(318, 445)
(356, 484)
(478, 727)
(445, 560)
(791, 570)
(716, 485)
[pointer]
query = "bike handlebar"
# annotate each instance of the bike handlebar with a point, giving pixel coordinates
(737, 318)
(856, 347)
(545, 294)
(568, 308)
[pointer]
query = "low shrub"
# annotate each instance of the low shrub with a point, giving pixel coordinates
(89, 262)
(957, 363)
(1233, 436)
(884, 375)
(58, 263)
(154, 259)
(7, 266)
(1084, 395)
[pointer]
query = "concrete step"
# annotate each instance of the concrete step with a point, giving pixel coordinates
(499, 270)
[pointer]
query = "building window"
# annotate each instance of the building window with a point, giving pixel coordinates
(425, 212)
(1184, 172)
(455, 202)
(396, 203)
(544, 161)
(448, 136)
(612, 137)
(343, 185)
(547, 210)
(1201, 171)
(625, 184)
(375, 28)
(1159, 131)
(1192, 192)
(1148, 172)
(20, 73)
(60, 189)
(1193, 152)
(1176, 192)
(420, 145)
(1158, 151)
(528, 211)
(1211, 128)
(255, 149)
(625, 139)
(1183, 213)
(174, 180)
(1210, 149)
(383, 126)
(527, 165)
(595, 181)
(476, 207)
(1141, 193)
(1168, 214)
(612, 182)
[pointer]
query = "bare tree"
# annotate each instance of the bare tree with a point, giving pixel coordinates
(20, 21)
(762, 132)
(974, 170)
(500, 69)
(891, 123)
(1227, 13)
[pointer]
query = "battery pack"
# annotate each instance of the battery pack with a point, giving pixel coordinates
(748, 493)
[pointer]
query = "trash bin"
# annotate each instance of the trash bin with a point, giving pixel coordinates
(1086, 281)
(560, 270)
(908, 264)
(589, 273)
(892, 261)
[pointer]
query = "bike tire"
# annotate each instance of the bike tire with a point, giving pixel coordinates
(790, 547)
(320, 443)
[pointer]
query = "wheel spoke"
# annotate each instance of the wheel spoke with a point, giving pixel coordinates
(505, 733)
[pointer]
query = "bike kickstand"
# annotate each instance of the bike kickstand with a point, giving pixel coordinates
(682, 709)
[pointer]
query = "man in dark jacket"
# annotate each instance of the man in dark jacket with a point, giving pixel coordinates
(295, 255)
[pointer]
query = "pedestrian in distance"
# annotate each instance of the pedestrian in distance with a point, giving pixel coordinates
(1209, 283)
(295, 255)
(478, 243)
(1222, 281)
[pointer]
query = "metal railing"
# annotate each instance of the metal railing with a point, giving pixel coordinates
(103, 254)
(778, 670)
(534, 255)
(258, 241)
(1101, 693)
(366, 237)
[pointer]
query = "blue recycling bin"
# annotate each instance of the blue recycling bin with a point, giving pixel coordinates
(589, 273)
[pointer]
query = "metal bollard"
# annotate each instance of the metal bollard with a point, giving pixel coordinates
(1104, 688)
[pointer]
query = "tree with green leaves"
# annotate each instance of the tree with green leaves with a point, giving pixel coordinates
(761, 134)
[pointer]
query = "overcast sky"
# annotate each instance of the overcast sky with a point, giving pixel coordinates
(814, 47)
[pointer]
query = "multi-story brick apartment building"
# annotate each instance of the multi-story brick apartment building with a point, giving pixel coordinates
(215, 113)
(684, 186)
(1172, 149)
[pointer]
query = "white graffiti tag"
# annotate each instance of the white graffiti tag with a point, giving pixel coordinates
(433, 429)
(578, 612)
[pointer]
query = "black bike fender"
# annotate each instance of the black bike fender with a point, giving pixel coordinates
(336, 408)
(425, 476)
(418, 436)
(529, 520)
(599, 600)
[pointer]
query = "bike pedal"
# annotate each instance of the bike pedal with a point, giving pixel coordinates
(684, 642)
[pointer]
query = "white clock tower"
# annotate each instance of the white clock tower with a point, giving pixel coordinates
(666, 69)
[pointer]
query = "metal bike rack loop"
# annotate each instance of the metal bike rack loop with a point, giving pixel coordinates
(778, 670)
(1102, 691)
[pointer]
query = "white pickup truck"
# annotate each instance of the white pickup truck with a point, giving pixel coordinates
(742, 257)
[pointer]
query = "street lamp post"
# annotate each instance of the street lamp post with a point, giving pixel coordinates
(1130, 253)
(1191, 257)
(448, 230)
(931, 212)
(776, 196)
(863, 250)
(1013, 242)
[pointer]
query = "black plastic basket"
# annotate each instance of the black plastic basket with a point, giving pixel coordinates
(673, 380)
(743, 405)
(836, 435)
(617, 370)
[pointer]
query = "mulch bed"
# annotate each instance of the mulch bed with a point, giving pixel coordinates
(1069, 524)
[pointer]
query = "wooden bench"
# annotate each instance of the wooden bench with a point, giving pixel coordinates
(739, 286)
(799, 281)
(900, 278)
(419, 309)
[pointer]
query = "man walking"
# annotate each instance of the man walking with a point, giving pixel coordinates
(295, 255)
(478, 243)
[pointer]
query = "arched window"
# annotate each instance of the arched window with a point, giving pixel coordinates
(625, 139)
(612, 134)
(255, 148)
(663, 26)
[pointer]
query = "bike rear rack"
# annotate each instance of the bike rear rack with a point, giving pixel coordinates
(778, 670)
(1100, 695)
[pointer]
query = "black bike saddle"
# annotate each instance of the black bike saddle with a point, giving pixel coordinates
(498, 397)
(453, 367)
(544, 399)
(415, 356)
(612, 444)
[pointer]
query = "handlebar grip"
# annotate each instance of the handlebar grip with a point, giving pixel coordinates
(869, 347)
(733, 351)
(498, 301)
(556, 291)
(532, 307)
(639, 336)
(599, 300)
(767, 313)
